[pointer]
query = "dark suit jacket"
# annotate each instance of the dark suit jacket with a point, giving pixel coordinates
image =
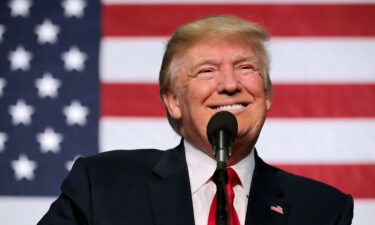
(151, 187)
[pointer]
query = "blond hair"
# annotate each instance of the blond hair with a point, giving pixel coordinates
(213, 27)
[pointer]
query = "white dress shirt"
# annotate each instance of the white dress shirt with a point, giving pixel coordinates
(201, 167)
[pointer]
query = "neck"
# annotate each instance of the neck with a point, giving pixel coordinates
(240, 149)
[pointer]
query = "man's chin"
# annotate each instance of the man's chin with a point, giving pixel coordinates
(245, 138)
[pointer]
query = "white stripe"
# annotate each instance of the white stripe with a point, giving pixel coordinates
(293, 59)
(281, 140)
(29, 210)
(23, 210)
(236, 1)
(131, 59)
(134, 133)
(318, 140)
(364, 211)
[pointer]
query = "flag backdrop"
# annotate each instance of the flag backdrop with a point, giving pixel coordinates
(78, 77)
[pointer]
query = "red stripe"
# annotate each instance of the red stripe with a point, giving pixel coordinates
(323, 100)
(129, 99)
(357, 180)
(289, 101)
(279, 19)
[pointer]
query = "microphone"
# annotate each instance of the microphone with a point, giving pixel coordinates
(221, 132)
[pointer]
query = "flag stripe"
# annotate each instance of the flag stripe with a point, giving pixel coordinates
(293, 140)
(279, 19)
(358, 180)
(323, 100)
(32, 209)
(363, 211)
(293, 59)
(311, 140)
(237, 1)
(290, 100)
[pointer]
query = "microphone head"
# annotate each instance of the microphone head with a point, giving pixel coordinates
(222, 120)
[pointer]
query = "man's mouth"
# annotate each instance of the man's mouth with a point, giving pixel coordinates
(230, 107)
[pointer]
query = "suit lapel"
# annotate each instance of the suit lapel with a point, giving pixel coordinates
(169, 190)
(266, 205)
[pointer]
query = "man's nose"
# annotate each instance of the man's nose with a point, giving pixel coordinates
(228, 82)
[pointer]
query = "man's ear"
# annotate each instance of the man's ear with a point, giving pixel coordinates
(172, 104)
(268, 102)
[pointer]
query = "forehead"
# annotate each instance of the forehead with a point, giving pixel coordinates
(234, 48)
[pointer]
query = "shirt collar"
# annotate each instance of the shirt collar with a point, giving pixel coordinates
(201, 167)
(245, 170)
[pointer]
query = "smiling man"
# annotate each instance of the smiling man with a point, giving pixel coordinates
(218, 73)
(213, 64)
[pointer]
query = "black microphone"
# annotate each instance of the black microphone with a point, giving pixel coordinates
(221, 132)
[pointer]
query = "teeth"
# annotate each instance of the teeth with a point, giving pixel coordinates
(230, 107)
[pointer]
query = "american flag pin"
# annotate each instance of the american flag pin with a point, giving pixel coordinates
(277, 209)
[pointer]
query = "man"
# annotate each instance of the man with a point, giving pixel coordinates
(212, 64)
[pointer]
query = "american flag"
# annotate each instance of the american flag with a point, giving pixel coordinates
(78, 77)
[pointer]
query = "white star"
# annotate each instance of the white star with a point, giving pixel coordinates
(23, 167)
(21, 113)
(74, 59)
(3, 83)
(47, 86)
(47, 32)
(73, 7)
(19, 7)
(2, 31)
(3, 139)
(76, 113)
(69, 164)
(49, 140)
(20, 59)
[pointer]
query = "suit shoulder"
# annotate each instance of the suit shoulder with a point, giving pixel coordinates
(120, 165)
(314, 198)
(125, 157)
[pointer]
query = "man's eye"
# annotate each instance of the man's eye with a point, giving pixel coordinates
(247, 67)
(206, 71)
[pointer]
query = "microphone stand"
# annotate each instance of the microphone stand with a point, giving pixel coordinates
(221, 179)
(222, 214)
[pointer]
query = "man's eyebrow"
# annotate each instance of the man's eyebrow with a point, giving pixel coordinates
(203, 62)
(242, 58)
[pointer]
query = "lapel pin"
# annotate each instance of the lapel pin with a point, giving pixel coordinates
(277, 209)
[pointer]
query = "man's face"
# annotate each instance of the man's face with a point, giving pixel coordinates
(217, 75)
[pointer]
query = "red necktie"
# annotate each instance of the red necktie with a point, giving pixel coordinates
(233, 180)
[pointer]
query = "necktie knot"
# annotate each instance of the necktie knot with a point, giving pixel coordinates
(233, 178)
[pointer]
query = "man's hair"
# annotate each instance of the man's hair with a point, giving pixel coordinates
(212, 27)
